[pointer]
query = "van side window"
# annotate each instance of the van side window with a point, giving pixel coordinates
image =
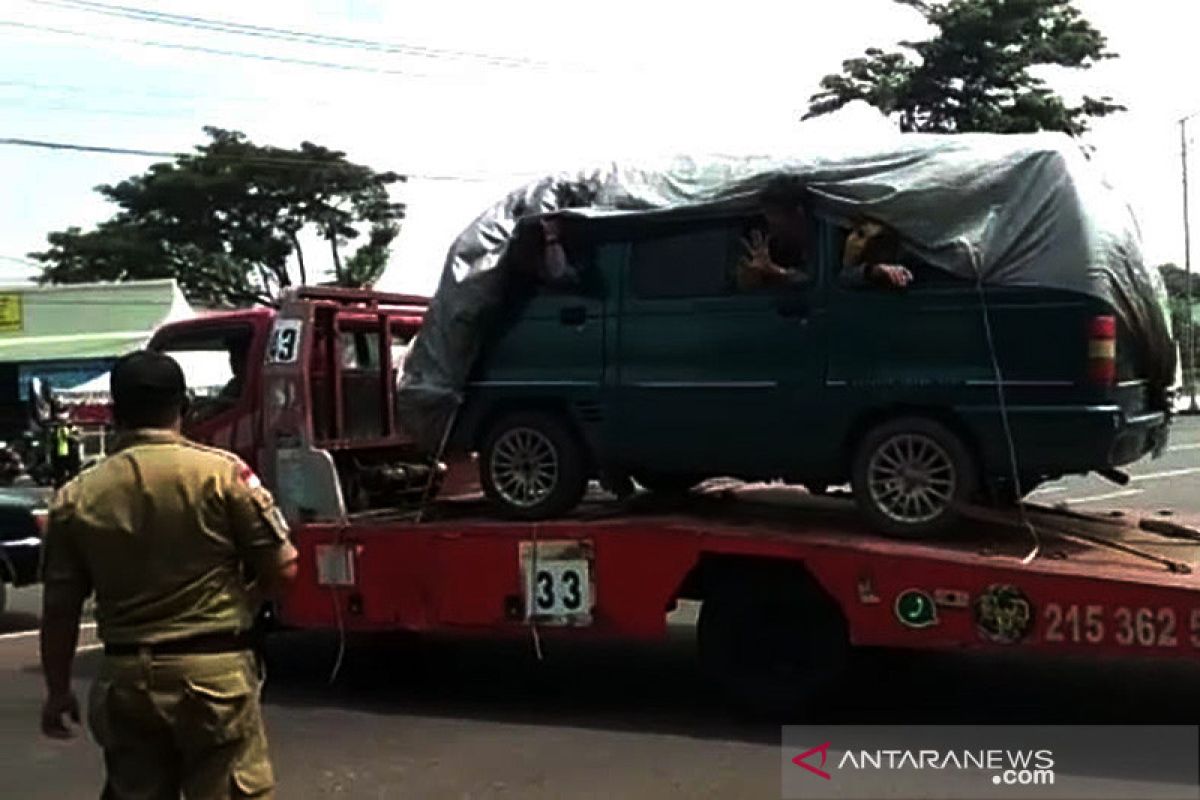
(855, 251)
(690, 262)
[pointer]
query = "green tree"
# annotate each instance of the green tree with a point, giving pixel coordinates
(1175, 280)
(227, 221)
(975, 75)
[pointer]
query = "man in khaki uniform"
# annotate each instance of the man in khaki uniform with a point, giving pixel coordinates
(179, 543)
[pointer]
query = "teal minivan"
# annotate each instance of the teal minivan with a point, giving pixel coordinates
(654, 366)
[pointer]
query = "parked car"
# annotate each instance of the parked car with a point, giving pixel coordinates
(656, 366)
(22, 520)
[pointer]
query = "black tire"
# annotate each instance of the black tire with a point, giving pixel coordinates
(926, 504)
(667, 482)
(772, 641)
(564, 488)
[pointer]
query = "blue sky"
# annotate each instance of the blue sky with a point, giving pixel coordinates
(595, 82)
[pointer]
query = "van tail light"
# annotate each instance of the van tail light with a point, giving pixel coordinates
(1102, 350)
(40, 518)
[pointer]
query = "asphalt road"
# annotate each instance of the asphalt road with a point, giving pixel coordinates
(1170, 482)
(479, 719)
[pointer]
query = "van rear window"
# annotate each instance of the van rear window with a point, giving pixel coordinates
(684, 263)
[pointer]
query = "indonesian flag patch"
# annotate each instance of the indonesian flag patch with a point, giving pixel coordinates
(248, 477)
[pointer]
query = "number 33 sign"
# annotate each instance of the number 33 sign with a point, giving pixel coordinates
(557, 581)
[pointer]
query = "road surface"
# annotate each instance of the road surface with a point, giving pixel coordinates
(465, 720)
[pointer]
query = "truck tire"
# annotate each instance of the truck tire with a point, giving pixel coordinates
(910, 475)
(667, 482)
(772, 642)
(532, 466)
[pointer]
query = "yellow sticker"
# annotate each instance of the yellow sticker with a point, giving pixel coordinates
(11, 316)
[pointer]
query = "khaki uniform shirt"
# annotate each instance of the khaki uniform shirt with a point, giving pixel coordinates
(163, 531)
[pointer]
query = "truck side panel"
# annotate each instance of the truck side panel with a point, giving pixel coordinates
(470, 577)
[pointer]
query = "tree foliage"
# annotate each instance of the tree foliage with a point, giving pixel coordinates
(1176, 281)
(227, 221)
(975, 74)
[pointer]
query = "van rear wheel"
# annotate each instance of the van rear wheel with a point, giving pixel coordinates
(532, 466)
(910, 476)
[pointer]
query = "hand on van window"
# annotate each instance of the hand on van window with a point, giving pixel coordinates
(890, 275)
(757, 269)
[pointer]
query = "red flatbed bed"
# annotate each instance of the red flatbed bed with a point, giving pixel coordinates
(1096, 585)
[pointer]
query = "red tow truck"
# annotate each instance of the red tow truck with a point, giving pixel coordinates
(787, 581)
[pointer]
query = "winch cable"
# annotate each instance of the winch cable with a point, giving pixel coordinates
(437, 459)
(531, 593)
(998, 375)
(339, 542)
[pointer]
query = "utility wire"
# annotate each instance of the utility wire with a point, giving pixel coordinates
(291, 35)
(262, 160)
(305, 62)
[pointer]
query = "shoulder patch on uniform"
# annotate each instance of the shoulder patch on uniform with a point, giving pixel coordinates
(247, 476)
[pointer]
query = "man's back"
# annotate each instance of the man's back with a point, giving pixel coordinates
(161, 529)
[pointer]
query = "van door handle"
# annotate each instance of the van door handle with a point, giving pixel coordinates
(573, 316)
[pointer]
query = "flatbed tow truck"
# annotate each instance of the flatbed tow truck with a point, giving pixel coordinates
(788, 581)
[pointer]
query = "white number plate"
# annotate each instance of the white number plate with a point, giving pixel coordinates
(558, 582)
(284, 347)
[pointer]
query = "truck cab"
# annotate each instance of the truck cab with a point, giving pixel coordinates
(305, 395)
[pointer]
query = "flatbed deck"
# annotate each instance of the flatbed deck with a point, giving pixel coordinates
(1093, 584)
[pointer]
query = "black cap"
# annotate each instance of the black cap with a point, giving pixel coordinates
(146, 372)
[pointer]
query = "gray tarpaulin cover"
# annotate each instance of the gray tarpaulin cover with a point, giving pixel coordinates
(1010, 210)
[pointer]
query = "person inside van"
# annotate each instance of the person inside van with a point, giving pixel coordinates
(777, 256)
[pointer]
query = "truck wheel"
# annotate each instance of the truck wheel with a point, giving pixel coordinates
(532, 466)
(771, 642)
(909, 476)
(667, 482)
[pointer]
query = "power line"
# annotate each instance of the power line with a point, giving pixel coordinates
(290, 35)
(218, 51)
(263, 160)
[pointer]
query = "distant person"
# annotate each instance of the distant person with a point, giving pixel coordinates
(62, 437)
(180, 544)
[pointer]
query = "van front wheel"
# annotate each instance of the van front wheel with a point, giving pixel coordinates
(911, 475)
(532, 466)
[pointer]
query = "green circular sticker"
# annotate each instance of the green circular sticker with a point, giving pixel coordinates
(915, 609)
